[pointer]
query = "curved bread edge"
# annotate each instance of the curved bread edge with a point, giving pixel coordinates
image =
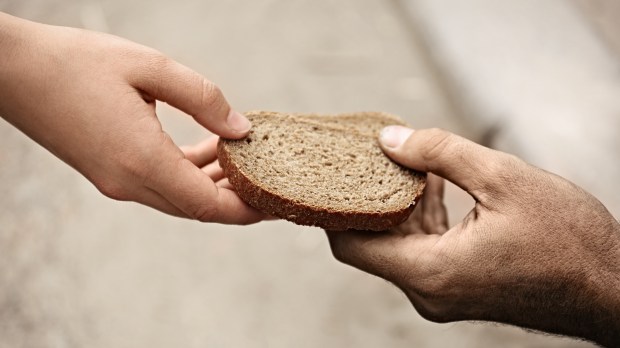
(276, 205)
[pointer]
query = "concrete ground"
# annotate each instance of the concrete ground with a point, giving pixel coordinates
(80, 270)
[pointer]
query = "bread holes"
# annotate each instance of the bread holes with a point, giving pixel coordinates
(320, 162)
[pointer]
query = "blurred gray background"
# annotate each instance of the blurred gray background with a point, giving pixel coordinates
(537, 79)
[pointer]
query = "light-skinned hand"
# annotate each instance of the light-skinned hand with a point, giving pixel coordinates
(89, 98)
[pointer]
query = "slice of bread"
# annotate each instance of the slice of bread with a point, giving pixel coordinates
(325, 171)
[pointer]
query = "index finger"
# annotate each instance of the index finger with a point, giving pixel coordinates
(167, 80)
(392, 256)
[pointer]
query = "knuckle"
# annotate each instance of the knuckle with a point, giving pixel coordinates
(211, 95)
(203, 212)
(156, 59)
(502, 164)
(134, 166)
(153, 66)
(505, 173)
(143, 162)
(435, 144)
(137, 165)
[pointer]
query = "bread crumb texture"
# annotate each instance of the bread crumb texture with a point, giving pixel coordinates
(321, 170)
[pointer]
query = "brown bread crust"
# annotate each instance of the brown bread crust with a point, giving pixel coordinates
(274, 204)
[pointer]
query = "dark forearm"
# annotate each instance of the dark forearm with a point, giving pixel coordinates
(607, 323)
(587, 305)
(567, 307)
(578, 297)
(600, 321)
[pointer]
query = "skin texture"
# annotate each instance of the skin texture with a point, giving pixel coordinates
(89, 98)
(536, 250)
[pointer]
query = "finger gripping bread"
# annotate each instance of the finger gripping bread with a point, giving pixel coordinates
(325, 171)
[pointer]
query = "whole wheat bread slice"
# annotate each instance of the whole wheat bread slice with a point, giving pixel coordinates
(325, 171)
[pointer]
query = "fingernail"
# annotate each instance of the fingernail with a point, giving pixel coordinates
(238, 122)
(394, 136)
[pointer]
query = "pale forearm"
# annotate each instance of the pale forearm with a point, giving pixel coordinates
(607, 325)
(9, 46)
(19, 43)
(33, 68)
(16, 35)
(10, 28)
